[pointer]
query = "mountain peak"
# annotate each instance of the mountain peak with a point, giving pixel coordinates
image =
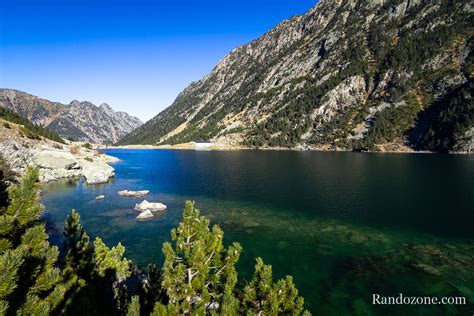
(80, 120)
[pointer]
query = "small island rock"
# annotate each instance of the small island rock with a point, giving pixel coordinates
(100, 197)
(154, 207)
(133, 193)
(145, 215)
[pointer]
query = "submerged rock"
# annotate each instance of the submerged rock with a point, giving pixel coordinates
(145, 215)
(100, 197)
(133, 193)
(154, 207)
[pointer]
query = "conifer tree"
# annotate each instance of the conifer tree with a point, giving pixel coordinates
(80, 252)
(96, 270)
(199, 275)
(111, 259)
(134, 307)
(30, 284)
(263, 297)
(151, 290)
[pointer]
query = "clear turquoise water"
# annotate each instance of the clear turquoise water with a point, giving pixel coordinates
(345, 225)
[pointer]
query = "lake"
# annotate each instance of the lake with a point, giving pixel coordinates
(345, 225)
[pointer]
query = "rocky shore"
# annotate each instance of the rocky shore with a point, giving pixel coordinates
(54, 160)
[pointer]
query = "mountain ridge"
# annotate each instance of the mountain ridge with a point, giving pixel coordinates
(347, 74)
(81, 121)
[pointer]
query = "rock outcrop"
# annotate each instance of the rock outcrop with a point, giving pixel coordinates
(319, 80)
(96, 172)
(54, 160)
(81, 121)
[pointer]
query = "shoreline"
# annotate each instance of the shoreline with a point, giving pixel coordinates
(239, 148)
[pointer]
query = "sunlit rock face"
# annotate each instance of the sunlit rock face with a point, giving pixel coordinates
(81, 121)
(321, 79)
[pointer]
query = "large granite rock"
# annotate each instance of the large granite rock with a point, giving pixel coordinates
(54, 159)
(96, 172)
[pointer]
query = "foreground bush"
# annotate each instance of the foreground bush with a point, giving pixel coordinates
(198, 276)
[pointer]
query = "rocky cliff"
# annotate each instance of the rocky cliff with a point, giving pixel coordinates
(81, 121)
(348, 74)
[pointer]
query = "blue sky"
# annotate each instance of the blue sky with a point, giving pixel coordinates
(135, 55)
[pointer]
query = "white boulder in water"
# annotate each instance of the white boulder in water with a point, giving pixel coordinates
(100, 197)
(145, 215)
(154, 207)
(133, 193)
(96, 172)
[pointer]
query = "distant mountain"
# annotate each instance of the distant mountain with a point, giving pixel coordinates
(348, 74)
(81, 121)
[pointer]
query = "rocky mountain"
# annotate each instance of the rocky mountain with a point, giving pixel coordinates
(348, 74)
(81, 121)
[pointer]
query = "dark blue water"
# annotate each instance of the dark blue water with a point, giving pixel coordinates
(327, 218)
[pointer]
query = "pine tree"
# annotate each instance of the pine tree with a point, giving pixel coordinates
(30, 283)
(79, 250)
(111, 259)
(6, 176)
(263, 297)
(134, 307)
(97, 272)
(151, 290)
(199, 275)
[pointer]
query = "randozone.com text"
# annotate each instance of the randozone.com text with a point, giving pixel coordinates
(378, 299)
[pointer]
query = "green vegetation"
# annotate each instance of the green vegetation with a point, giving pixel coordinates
(198, 276)
(6, 176)
(87, 146)
(392, 122)
(447, 119)
(30, 283)
(29, 129)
